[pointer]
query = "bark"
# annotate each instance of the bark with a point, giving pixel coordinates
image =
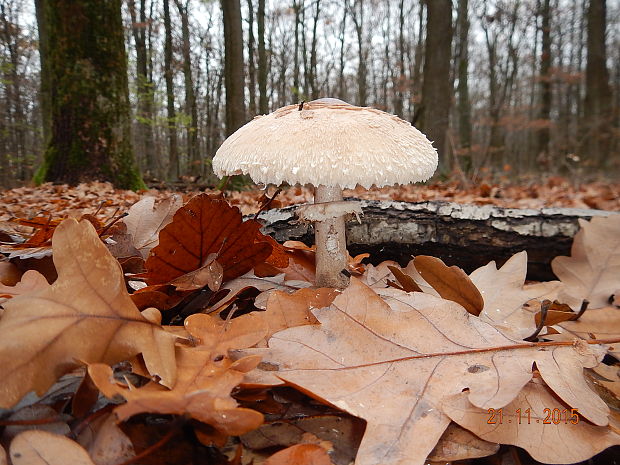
(173, 155)
(191, 109)
(296, 90)
(436, 89)
(357, 16)
(145, 139)
(233, 66)
(263, 105)
(597, 106)
(251, 65)
(544, 115)
(342, 91)
(89, 102)
(468, 236)
(464, 106)
(399, 84)
(44, 95)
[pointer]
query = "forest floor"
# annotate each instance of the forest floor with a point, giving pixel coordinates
(104, 201)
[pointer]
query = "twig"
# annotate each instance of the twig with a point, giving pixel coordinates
(111, 223)
(541, 324)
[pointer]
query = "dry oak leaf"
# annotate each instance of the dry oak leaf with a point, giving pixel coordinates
(450, 282)
(44, 448)
(592, 272)
(457, 443)
(145, 220)
(105, 441)
(529, 421)
(504, 294)
(204, 226)
(31, 281)
(392, 364)
(220, 336)
(85, 316)
(202, 391)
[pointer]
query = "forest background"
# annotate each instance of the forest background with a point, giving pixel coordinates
(518, 87)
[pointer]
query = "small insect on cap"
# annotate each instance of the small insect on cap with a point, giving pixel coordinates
(328, 142)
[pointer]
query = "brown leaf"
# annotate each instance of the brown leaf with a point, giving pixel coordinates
(452, 283)
(535, 430)
(592, 272)
(31, 281)
(43, 448)
(210, 274)
(505, 293)
(457, 443)
(145, 220)
(105, 442)
(300, 454)
(201, 227)
(86, 315)
(392, 361)
(406, 282)
(220, 336)
(9, 274)
(202, 391)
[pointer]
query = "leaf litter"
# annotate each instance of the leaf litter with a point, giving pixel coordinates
(420, 353)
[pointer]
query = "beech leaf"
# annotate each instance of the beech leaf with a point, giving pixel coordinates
(205, 226)
(417, 350)
(85, 316)
(452, 283)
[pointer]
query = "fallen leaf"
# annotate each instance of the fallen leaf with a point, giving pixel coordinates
(53, 422)
(86, 315)
(457, 443)
(537, 422)
(452, 283)
(44, 448)
(210, 274)
(202, 391)
(416, 351)
(219, 336)
(145, 220)
(504, 294)
(31, 281)
(406, 282)
(201, 227)
(105, 442)
(300, 454)
(9, 274)
(592, 272)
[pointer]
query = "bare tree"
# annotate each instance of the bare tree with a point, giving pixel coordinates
(262, 60)
(173, 151)
(463, 103)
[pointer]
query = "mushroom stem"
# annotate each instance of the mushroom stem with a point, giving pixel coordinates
(331, 243)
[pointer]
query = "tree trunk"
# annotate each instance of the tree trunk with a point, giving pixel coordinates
(464, 106)
(342, 91)
(146, 143)
(545, 80)
(314, 87)
(89, 102)
(436, 90)
(193, 151)
(44, 95)
(173, 155)
(357, 17)
(233, 66)
(597, 106)
(251, 66)
(296, 90)
(263, 103)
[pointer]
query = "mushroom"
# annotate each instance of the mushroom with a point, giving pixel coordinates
(332, 145)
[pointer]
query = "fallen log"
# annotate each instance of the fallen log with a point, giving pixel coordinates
(468, 236)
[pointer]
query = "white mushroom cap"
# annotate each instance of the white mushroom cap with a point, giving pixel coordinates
(328, 142)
